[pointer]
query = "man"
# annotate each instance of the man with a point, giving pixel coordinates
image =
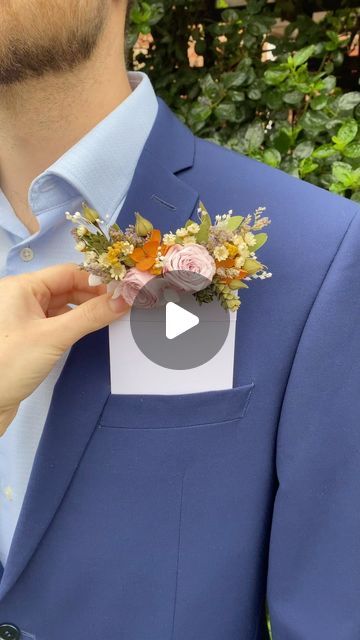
(148, 517)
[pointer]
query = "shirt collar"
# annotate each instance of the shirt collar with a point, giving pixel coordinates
(100, 167)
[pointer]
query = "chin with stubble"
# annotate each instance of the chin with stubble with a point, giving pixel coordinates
(47, 36)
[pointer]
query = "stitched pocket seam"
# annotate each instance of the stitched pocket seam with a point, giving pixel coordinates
(181, 426)
(186, 426)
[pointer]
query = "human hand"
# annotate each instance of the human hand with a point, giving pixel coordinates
(37, 326)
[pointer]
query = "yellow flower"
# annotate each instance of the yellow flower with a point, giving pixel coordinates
(126, 248)
(239, 262)
(221, 253)
(250, 239)
(232, 249)
(189, 240)
(169, 239)
(182, 233)
(104, 260)
(114, 252)
(193, 228)
(118, 272)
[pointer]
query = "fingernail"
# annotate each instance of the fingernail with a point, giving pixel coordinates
(116, 305)
(117, 293)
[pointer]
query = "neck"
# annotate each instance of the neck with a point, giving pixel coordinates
(40, 119)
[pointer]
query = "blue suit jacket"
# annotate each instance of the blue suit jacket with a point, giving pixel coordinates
(176, 517)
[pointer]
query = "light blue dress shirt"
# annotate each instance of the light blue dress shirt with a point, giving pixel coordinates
(99, 170)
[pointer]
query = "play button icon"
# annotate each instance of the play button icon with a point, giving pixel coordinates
(178, 320)
(179, 333)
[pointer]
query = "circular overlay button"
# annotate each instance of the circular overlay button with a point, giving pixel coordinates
(177, 332)
(9, 631)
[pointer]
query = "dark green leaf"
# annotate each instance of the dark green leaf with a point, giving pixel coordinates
(200, 112)
(226, 112)
(319, 102)
(234, 78)
(254, 135)
(294, 98)
(275, 76)
(254, 94)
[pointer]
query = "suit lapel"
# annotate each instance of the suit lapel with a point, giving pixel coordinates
(84, 384)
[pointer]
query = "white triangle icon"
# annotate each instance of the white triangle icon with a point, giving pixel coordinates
(178, 320)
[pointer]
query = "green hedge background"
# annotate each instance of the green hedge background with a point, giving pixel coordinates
(285, 93)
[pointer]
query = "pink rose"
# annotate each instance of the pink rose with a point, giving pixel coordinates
(133, 288)
(197, 265)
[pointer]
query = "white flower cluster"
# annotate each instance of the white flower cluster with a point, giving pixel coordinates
(261, 276)
(222, 220)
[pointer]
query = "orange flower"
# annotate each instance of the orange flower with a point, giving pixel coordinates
(145, 256)
(242, 274)
(225, 264)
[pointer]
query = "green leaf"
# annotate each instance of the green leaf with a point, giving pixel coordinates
(261, 238)
(273, 99)
(329, 83)
(275, 76)
(237, 96)
(346, 134)
(272, 157)
(282, 141)
(254, 94)
(234, 223)
(200, 112)
(352, 150)
(234, 78)
(303, 150)
(356, 196)
(342, 172)
(314, 122)
(226, 111)
(211, 89)
(303, 55)
(238, 284)
(293, 97)
(252, 266)
(306, 166)
(319, 102)
(203, 233)
(349, 100)
(324, 151)
(254, 135)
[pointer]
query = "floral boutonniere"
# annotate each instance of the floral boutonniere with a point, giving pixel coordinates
(209, 260)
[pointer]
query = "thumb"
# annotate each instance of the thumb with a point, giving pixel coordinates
(89, 316)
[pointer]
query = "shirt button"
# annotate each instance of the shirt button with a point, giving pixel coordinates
(9, 632)
(26, 254)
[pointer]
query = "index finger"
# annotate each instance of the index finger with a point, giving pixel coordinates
(64, 278)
